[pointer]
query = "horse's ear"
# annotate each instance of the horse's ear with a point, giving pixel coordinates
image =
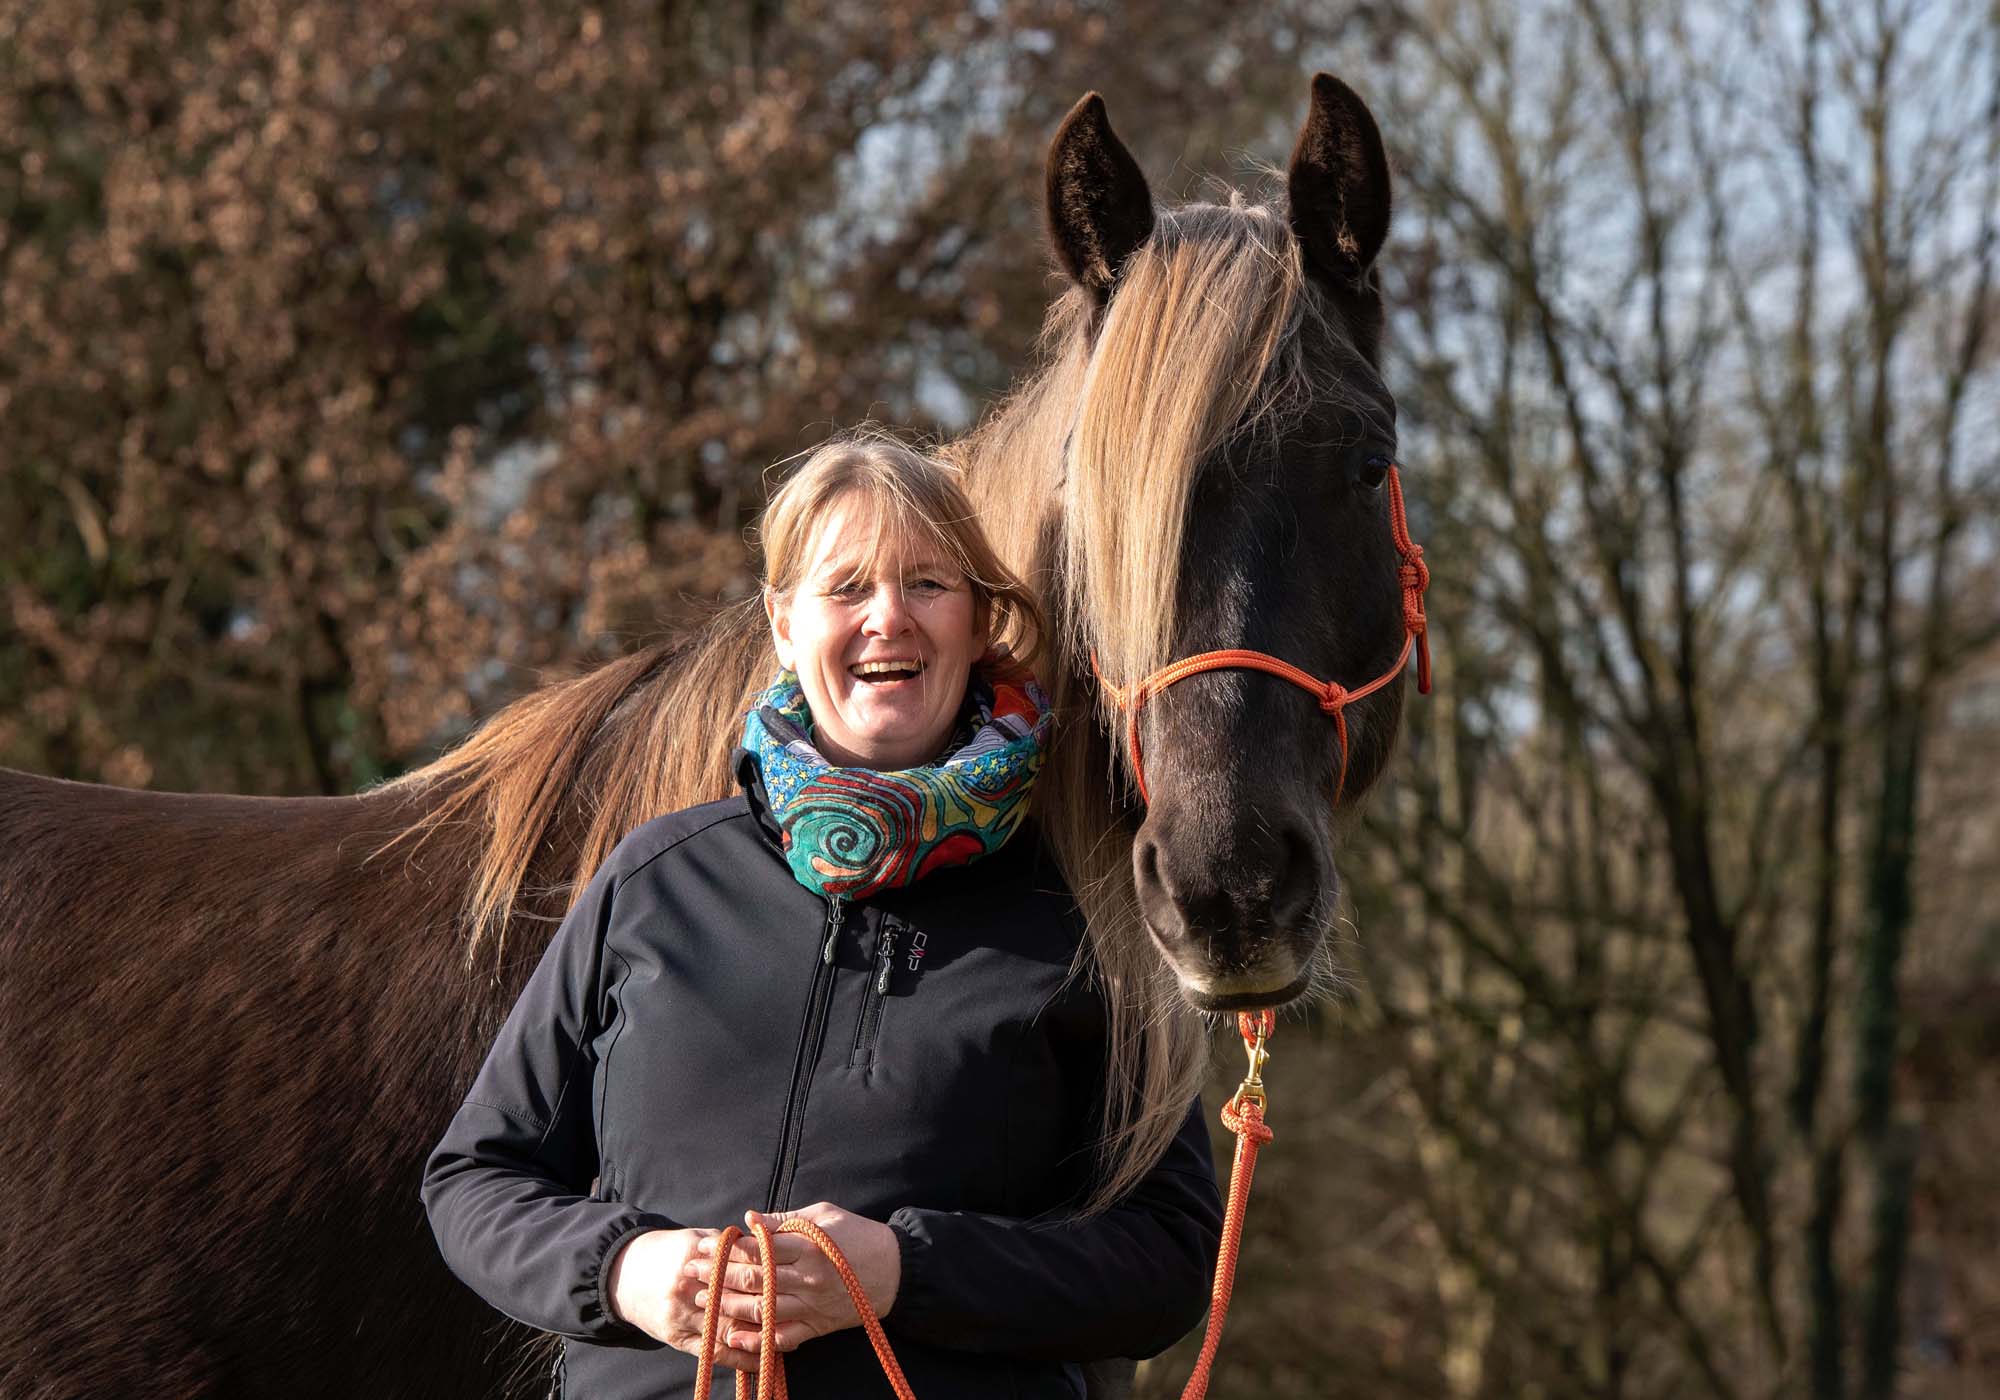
(1339, 185)
(1099, 207)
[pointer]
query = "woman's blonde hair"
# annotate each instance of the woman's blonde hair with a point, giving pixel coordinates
(913, 500)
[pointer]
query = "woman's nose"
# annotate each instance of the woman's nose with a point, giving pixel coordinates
(886, 617)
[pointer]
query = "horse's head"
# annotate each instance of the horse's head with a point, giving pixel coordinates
(1225, 489)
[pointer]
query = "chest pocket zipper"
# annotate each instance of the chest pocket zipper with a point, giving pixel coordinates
(869, 1026)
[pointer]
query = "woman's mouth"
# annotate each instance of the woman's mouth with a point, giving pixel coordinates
(887, 672)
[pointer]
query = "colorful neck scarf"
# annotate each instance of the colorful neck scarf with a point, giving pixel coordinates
(851, 832)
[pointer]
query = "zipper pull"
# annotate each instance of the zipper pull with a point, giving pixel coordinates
(834, 909)
(886, 959)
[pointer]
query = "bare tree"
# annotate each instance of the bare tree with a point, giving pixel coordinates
(1700, 314)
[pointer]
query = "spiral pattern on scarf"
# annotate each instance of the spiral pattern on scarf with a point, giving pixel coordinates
(853, 831)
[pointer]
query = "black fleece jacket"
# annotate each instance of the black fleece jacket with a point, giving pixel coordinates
(704, 1035)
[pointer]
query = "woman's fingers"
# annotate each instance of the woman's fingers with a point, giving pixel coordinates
(790, 1335)
(787, 1248)
(749, 1307)
(685, 1324)
(749, 1278)
(810, 1300)
(734, 1275)
(737, 1353)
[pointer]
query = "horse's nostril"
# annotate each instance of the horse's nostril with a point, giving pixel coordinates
(1295, 879)
(1156, 896)
(1149, 864)
(1229, 893)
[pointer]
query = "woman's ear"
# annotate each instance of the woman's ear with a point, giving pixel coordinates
(778, 611)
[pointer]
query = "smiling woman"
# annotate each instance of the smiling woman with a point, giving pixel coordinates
(681, 1058)
(881, 596)
(883, 647)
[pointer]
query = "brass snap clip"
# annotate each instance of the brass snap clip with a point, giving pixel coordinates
(1255, 1027)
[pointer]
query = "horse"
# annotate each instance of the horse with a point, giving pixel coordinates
(230, 1027)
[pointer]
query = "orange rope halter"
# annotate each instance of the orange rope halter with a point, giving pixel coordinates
(1242, 1115)
(1333, 697)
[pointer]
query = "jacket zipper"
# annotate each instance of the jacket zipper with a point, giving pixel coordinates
(811, 1032)
(863, 1052)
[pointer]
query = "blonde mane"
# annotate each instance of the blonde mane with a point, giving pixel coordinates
(1203, 311)
(1082, 477)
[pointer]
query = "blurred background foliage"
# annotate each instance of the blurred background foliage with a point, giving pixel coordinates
(362, 363)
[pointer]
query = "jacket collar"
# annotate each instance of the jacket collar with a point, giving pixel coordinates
(750, 777)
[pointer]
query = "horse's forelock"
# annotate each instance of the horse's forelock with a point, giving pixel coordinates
(1201, 340)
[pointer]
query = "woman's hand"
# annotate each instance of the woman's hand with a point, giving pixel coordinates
(650, 1289)
(812, 1301)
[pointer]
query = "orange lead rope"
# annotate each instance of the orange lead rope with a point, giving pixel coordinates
(1243, 1115)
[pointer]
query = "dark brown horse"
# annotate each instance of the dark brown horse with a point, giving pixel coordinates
(231, 1027)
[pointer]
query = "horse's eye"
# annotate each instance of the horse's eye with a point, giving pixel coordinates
(1374, 471)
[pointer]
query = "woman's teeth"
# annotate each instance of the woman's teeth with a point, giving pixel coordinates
(886, 670)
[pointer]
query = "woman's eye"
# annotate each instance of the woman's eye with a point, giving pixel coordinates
(846, 591)
(928, 585)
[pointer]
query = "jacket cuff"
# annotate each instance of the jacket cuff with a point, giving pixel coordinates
(594, 1292)
(917, 1299)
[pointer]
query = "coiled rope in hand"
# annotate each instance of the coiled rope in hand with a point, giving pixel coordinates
(770, 1384)
(1243, 1115)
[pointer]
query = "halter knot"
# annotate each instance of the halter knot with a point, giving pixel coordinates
(1333, 698)
(1415, 573)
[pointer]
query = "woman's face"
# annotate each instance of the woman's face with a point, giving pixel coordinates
(883, 642)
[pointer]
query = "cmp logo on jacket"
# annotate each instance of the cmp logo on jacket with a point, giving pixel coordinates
(898, 951)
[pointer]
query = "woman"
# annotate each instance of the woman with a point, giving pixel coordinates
(843, 994)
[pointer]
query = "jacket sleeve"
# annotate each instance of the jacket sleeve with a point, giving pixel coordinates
(1128, 1282)
(507, 1188)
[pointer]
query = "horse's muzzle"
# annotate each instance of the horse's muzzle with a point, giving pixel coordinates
(1236, 912)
